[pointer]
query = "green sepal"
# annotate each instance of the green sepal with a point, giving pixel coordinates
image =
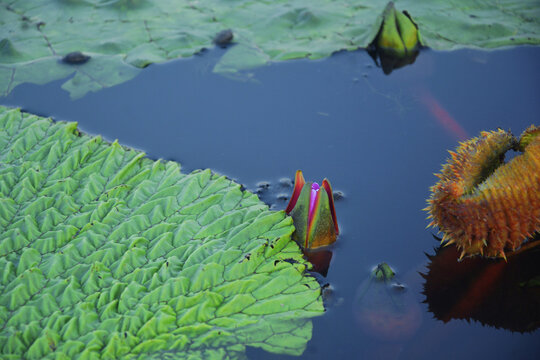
(383, 272)
(398, 35)
(389, 38)
(408, 32)
(300, 215)
(321, 229)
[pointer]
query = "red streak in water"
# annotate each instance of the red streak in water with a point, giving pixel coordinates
(443, 117)
(481, 288)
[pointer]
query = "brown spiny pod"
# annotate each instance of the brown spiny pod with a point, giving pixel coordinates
(481, 203)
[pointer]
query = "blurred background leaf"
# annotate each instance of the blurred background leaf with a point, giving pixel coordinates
(125, 35)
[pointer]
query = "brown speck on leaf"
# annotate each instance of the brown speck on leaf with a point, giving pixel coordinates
(75, 58)
(223, 38)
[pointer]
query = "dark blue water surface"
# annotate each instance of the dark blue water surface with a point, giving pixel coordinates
(376, 138)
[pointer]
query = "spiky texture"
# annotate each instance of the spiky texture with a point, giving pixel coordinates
(484, 205)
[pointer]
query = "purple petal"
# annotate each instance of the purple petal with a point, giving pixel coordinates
(314, 189)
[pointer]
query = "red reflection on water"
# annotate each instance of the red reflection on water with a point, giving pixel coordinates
(443, 117)
(320, 259)
(498, 293)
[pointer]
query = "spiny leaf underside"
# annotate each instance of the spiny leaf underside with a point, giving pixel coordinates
(484, 205)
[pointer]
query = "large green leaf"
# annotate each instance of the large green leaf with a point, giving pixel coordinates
(125, 35)
(105, 253)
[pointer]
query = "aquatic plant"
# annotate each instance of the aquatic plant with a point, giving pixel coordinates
(384, 308)
(398, 41)
(486, 206)
(107, 254)
(124, 36)
(312, 208)
(398, 34)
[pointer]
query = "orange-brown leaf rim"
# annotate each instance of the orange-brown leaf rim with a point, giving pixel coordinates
(326, 185)
(299, 183)
(484, 205)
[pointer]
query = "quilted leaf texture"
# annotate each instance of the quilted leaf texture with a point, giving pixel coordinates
(106, 254)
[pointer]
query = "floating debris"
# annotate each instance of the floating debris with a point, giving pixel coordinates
(330, 296)
(262, 187)
(263, 184)
(285, 182)
(223, 38)
(75, 58)
(338, 195)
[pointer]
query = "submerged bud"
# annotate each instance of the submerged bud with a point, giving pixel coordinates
(383, 272)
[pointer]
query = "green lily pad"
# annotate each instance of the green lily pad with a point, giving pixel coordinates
(122, 36)
(107, 254)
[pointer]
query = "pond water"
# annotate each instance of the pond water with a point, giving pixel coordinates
(378, 138)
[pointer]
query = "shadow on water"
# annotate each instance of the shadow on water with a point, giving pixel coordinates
(377, 138)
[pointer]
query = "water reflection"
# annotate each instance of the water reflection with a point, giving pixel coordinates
(493, 292)
(397, 42)
(384, 308)
(320, 259)
(380, 145)
(389, 62)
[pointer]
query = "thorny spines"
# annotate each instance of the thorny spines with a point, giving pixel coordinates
(484, 205)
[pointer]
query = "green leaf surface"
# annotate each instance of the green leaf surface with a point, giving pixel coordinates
(123, 36)
(107, 254)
